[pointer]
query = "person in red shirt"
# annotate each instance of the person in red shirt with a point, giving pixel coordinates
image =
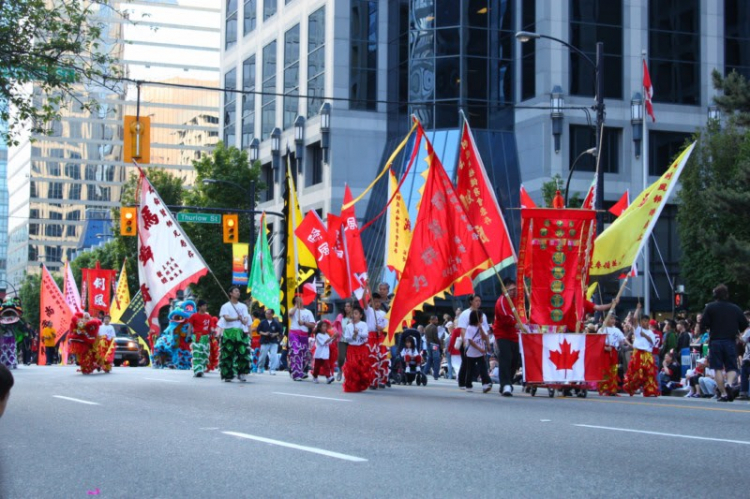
(200, 324)
(213, 357)
(506, 339)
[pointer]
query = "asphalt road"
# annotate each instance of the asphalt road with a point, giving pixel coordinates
(140, 432)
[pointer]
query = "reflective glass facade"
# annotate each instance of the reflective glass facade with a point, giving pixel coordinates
(291, 75)
(316, 60)
(363, 54)
(737, 37)
(584, 137)
(268, 108)
(248, 102)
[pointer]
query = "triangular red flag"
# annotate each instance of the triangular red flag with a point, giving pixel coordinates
(621, 205)
(330, 259)
(648, 91)
(357, 261)
(526, 201)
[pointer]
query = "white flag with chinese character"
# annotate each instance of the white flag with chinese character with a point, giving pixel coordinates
(167, 259)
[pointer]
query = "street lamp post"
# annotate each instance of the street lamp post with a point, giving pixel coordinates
(525, 36)
(636, 120)
(299, 141)
(591, 151)
(325, 130)
(556, 104)
(276, 150)
(251, 194)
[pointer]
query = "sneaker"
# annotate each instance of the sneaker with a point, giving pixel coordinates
(372, 387)
(242, 378)
(228, 380)
(330, 380)
(469, 390)
(305, 376)
(338, 376)
(507, 391)
(486, 388)
(460, 387)
(723, 398)
(272, 372)
(743, 396)
(315, 380)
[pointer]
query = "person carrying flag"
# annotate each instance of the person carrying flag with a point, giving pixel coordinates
(235, 348)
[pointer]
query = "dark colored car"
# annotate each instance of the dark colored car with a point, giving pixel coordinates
(126, 346)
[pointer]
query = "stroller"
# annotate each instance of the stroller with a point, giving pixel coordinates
(408, 370)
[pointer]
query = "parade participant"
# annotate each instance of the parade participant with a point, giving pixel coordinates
(235, 348)
(384, 290)
(475, 302)
(105, 348)
(172, 349)
(270, 332)
(641, 368)
(339, 325)
(200, 327)
(358, 368)
(302, 321)
(6, 383)
(477, 342)
(376, 324)
(48, 338)
(13, 330)
(255, 340)
(82, 336)
(449, 350)
(506, 339)
(323, 340)
(724, 321)
(213, 356)
(610, 384)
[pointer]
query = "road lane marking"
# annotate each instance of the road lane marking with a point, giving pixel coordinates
(652, 404)
(310, 396)
(76, 400)
(164, 380)
(657, 433)
(305, 448)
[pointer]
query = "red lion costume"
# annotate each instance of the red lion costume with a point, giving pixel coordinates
(83, 342)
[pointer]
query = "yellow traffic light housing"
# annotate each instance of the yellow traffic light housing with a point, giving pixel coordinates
(230, 227)
(128, 221)
(137, 140)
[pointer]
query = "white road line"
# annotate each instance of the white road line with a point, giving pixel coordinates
(314, 450)
(76, 400)
(311, 396)
(691, 437)
(164, 380)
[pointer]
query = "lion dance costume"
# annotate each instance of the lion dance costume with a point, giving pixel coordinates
(12, 332)
(172, 349)
(84, 343)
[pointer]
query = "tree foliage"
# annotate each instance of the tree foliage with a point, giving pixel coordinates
(556, 183)
(57, 45)
(715, 201)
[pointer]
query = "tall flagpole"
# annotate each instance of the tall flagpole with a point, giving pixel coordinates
(645, 158)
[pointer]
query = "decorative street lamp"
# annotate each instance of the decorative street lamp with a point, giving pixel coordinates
(325, 130)
(255, 150)
(299, 141)
(714, 114)
(636, 119)
(276, 151)
(556, 105)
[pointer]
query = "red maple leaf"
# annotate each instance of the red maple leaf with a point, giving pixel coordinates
(565, 358)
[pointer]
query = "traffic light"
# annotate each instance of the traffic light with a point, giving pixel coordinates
(128, 222)
(137, 140)
(326, 288)
(323, 308)
(229, 223)
(679, 301)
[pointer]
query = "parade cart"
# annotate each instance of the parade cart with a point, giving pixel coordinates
(553, 265)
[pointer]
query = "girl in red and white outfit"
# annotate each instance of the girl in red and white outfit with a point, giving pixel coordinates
(412, 359)
(376, 324)
(610, 383)
(358, 372)
(322, 352)
(641, 369)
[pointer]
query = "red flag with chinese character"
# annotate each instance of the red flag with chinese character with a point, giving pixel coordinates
(98, 282)
(53, 310)
(478, 198)
(444, 246)
(167, 259)
(327, 248)
(648, 91)
(357, 262)
(526, 201)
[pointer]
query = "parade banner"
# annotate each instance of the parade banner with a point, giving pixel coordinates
(134, 316)
(328, 248)
(122, 296)
(53, 311)
(240, 263)
(558, 358)
(263, 285)
(478, 198)
(444, 247)
(620, 244)
(98, 283)
(355, 250)
(398, 229)
(555, 250)
(70, 290)
(167, 259)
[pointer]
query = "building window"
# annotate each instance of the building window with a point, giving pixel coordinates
(267, 174)
(593, 21)
(314, 170)
(269, 8)
(33, 253)
(33, 229)
(230, 109)
(528, 49)
(316, 60)
(363, 55)
(53, 230)
(663, 148)
(52, 254)
(55, 190)
(291, 76)
(231, 25)
(584, 137)
(74, 193)
(268, 106)
(32, 189)
(248, 101)
(737, 37)
(250, 13)
(674, 46)
(73, 171)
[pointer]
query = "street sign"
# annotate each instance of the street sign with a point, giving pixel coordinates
(199, 218)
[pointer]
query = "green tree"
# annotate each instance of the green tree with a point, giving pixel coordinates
(30, 293)
(715, 201)
(552, 185)
(57, 45)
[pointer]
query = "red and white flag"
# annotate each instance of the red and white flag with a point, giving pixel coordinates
(357, 261)
(559, 357)
(526, 201)
(328, 248)
(648, 91)
(167, 259)
(70, 291)
(590, 199)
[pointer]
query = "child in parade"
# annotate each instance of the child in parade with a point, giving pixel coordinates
(477, 343)
(641, 369)
(200, 323)
(610, 384)
(323, 340)
(357, 369)
(376, 324)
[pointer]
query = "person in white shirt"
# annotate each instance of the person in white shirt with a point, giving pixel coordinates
(339, 325)
(357, 369)
(377, 324)
(477, 343)
(235, 348)
(105, 351)
(302, 322)
(323, 340)
(462, 323)
(412, 359)
(610, 384)
(641, 369)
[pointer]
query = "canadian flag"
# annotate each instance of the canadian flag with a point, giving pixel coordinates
(559, 357)
(648, 91)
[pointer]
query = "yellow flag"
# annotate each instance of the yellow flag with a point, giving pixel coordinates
(302, 255)
(619, 245)
(399, 230)
(122, 296)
